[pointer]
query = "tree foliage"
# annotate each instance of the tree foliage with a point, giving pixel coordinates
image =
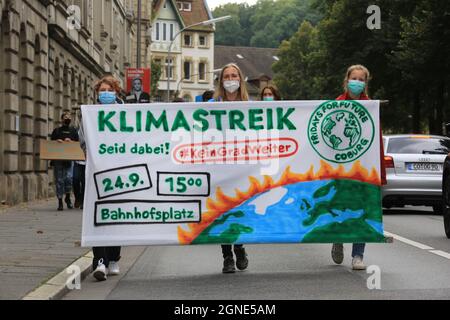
(408, 58)
(265, 24)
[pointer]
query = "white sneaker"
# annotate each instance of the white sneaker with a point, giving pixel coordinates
(337, 253)
(113, 268)
(100, 272)
(358, 264)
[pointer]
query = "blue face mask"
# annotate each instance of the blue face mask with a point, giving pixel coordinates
(268, 99)
(107, 97)
(356, 87)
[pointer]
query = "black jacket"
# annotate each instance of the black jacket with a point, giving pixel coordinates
(65, 132)
(143, 98)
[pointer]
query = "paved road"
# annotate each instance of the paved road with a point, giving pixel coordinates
(417, 269)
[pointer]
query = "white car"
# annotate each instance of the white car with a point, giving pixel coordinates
(414, 166)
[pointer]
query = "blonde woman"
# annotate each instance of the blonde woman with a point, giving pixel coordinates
(231, 87)
(356, 87)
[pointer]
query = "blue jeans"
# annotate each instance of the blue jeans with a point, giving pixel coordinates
(358, 249)
(63, 179)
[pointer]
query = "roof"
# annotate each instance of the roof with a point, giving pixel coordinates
(199, 12)
(254, 62)
(157, 4)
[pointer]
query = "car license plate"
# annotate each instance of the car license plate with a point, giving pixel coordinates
(424, 166)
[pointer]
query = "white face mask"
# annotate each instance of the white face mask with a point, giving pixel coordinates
(231, 86)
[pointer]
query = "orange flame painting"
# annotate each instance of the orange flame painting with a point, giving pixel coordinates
(224, 203)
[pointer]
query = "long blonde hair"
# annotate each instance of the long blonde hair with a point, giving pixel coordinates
(220, 91)
(349, 72)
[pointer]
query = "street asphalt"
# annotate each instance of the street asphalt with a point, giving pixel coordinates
(415, 266)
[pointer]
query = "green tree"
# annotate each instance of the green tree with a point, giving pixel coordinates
(235, 31)
(155, 76)
(295, 71)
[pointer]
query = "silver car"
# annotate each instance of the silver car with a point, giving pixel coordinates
(414, 166)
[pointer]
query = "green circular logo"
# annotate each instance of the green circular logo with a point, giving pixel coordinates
(341, 131)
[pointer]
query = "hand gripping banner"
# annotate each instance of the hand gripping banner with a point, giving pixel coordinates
(245, 172)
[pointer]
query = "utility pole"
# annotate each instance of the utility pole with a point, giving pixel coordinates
(138, 47)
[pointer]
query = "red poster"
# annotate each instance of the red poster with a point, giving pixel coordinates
(138, 85)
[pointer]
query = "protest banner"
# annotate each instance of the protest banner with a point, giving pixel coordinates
(232, 172)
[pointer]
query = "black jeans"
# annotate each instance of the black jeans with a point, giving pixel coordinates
(226, 249)
(107, 254)
(78, 181)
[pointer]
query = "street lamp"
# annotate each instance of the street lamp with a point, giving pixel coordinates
(203, 23)
(194, 75)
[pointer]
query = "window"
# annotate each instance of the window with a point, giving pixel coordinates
(164, 32)
(202, 71)
(169, 73)
(187, 40)
(202, 41)
(157, 31)
(187, 70)
(171, 31)
(186, 6)
(418, 145)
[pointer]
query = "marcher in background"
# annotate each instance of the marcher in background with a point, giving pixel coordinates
(207, 95)
(270, 93)
(106, 259)
(63, 168)
(231, 87)
(79, 170)
(356, 87)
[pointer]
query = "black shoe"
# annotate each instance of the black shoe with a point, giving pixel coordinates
(60, 205)
(68, 202)
(241, 258)
(228, 265)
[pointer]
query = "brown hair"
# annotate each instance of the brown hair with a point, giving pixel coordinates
(220, 92)
(349, 72)
(109, 80)
(273, 89)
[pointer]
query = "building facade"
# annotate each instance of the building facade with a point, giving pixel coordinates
(52, 52)
(255, 64)
(191, 53)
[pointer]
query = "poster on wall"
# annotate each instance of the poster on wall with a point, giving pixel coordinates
(138, 85)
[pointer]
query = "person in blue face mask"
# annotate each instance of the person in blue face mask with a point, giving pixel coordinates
(106, 259)
(270, 93)
(355, 86)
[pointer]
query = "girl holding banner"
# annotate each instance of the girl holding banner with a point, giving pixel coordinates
(356, 87)
(106, 259)
(232, 87)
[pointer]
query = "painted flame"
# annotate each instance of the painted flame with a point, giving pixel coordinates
(224, 203)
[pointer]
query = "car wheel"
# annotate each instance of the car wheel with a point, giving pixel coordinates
(439, 209)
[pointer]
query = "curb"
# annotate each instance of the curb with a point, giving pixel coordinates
(56, 287)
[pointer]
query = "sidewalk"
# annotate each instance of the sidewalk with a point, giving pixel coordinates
(36, 243)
